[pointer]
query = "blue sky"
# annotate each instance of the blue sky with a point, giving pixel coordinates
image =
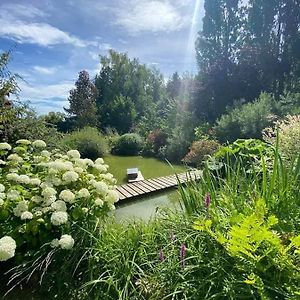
(54, 39)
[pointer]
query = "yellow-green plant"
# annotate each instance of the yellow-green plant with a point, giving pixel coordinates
(269, 263)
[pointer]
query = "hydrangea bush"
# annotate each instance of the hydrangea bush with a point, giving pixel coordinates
(45, 196)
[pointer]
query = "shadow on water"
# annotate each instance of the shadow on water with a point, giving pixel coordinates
(147, 207)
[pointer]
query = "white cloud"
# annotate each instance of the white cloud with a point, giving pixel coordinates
(19, 23)
(44, 70)
(37, 33)
(138, 16)
(20, 10)
(43, 92)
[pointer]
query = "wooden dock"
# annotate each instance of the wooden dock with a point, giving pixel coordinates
(147, 186)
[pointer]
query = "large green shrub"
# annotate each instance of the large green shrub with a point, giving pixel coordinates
(19, 121)
(88, 141)
(47, 200)
(199, 151)
(128, 144)
(246, 121)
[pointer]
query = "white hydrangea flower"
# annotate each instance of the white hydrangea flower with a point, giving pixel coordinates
(54, 243)
(5, 146)
(48, 192)
(92, 182)
(60, 165)
(59, 218)
(39, 144)
(12, 195)
(7, 248)
(2, 188)
(26, 215)
(2, 162)
(100, 168)
(78, 170)
(46, 184)
(70, 176)
(36, 199)
(45, 153)
(67, 196)
(21, 207)
(15, 158)
(35, 181)
(59, 205)
(88, 162)
(83, 193)
(2, 195)
(1, 202)
(99, 202)
(112, 196)
(23, 142)
(24, 179)
(101, 187)
(48, 201)
(56, 181)
(99, 161)
(73, 154)
(12, 177)
(90, 176)
(66, 242)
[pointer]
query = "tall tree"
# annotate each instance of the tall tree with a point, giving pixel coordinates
(127, 82)
(82, 101)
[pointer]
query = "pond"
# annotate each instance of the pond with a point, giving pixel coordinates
(150, 167)
(147, 206)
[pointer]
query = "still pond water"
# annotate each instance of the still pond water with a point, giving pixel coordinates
(147, 206)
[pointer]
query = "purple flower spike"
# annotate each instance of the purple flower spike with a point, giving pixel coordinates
(182, 255)
(161, 256)
(207, 200)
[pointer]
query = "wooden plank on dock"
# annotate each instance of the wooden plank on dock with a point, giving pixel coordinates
(136, 188)
(142, 185)
(132, 192)
(147, 186)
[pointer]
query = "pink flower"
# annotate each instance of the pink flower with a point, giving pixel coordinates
(207, 200)
(182, 255)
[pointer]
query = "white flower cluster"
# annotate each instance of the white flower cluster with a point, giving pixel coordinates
(53, 189)
(5, 146)
(7, 248)
(65, 242)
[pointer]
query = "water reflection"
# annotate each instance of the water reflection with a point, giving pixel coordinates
(146, 207)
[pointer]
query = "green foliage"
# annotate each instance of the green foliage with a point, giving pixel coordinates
(88, 141)
(125, 86)
(288, 133)
(19, 121)
(254, 217)
(246, 121)
(82, 101)
(199, 151)
(128, 144)
(243, 50)
(8, 81)
(289, 104)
